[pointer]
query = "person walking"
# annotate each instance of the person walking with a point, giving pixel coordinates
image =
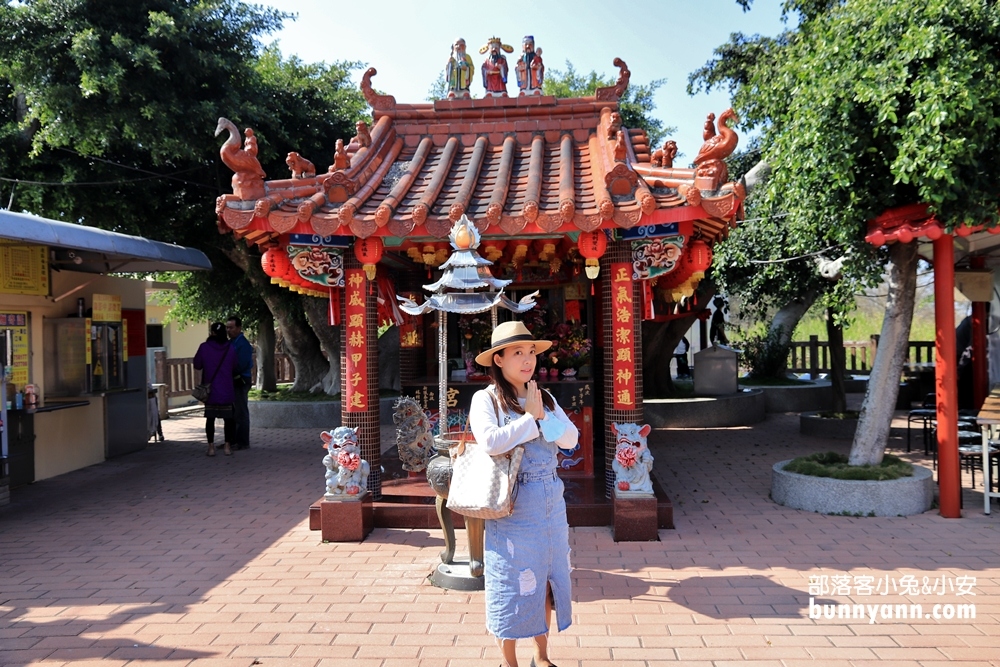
(241, 380)
(216, 360)
(527, 554)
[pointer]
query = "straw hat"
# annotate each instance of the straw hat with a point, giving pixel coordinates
(507, 334)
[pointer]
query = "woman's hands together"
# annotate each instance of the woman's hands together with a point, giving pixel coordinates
(533, 401)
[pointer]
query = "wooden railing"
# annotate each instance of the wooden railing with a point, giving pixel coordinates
(180, 375)
(813, 356)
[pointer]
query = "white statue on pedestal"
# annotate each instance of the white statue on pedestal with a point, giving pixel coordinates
(633, 462)
(346, 471)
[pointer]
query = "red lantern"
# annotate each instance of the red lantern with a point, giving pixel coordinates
(369, 252)
(699, 258)
(274, 262)
(592, 246)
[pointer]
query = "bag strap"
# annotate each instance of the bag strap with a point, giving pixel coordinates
(229, 346)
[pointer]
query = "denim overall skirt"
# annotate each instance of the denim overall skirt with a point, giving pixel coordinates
(529, 549)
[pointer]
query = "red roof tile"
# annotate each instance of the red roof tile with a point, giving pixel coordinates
(519, 165)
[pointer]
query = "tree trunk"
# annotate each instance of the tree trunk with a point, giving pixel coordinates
(660, 339)
(875, 419)
(317, 313)
(779, 333)
(300, 341)
(838, 362)
(266, 379)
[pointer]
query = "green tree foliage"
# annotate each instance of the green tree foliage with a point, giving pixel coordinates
(108, 114)
(636, 105)
(863, 107)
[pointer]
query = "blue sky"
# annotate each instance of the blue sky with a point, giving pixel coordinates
(408, 42)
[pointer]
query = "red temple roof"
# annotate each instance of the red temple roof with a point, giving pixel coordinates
(516, 166)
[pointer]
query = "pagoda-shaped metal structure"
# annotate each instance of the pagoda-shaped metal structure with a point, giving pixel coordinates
(464, 272)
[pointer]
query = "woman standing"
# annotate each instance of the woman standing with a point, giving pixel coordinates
(216, 360)
(527, 556)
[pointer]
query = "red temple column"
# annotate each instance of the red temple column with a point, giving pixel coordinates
(359, 404)
(946, 378)
(980, 364)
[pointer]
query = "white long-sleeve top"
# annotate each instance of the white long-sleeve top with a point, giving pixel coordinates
(498, 438)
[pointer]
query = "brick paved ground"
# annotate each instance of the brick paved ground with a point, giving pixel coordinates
(169, 557)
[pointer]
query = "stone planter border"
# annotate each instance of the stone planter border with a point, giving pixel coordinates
(897, 497)
(798, 398)
(307, 414)
(741, 409)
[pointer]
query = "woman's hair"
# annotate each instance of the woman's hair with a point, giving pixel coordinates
(507, 394)
(217, 332)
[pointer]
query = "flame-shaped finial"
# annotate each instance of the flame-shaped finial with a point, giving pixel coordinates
(464, 235)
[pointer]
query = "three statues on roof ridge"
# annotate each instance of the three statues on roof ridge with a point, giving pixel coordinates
(529, 70)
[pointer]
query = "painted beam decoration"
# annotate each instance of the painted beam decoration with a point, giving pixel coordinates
(357, 362)
(622, 343)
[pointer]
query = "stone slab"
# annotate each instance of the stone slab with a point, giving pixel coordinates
(635, 519)
(897, 497)
(347, 520)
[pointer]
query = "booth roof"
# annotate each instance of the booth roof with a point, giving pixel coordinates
(91, 250)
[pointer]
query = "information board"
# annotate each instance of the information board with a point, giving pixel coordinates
(24, 269)
(107, 308)
(17, 324)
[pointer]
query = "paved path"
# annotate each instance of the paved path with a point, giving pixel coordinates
(168, 557)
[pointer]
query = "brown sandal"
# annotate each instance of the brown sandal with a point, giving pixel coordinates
(211, 450)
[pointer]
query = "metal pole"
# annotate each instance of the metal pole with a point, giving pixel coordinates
(442, 373)
(946, 379)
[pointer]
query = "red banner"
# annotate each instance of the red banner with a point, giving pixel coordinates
(355, 330)
(623, 337)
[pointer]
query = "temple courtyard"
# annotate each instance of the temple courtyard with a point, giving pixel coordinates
(169, 557)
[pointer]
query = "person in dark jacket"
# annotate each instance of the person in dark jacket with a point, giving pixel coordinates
(216, 359)
(241, 380)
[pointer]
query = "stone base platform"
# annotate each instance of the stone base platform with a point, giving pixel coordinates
(345, 520)
(408, 502)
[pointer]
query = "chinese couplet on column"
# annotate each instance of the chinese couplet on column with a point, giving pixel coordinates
(622, 343)
(356, 332)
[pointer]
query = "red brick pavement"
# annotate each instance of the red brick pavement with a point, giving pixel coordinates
(168, 557)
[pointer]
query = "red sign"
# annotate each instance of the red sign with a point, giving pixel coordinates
(623, 337)
(355, 330)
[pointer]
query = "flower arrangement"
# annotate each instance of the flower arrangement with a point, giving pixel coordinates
(570, 347)
(476, 330)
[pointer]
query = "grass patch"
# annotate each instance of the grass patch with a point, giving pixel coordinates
(773, 382)
(285, 393)
(833, 465)
(850, 414)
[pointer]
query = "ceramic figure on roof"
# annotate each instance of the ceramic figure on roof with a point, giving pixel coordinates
(495, 67)
(299, 166)
(248, 179)
(459, 71)
(530, 69)
(633, 462)
(340, 158)
(363, 138)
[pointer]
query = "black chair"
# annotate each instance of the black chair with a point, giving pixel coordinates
(925, 414)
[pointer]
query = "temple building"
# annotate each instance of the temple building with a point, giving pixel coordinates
(568, 202)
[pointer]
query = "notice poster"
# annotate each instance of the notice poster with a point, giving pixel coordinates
(16, 323)
(356, 381)
(24, 269)
(623, 338)
(107, 308)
